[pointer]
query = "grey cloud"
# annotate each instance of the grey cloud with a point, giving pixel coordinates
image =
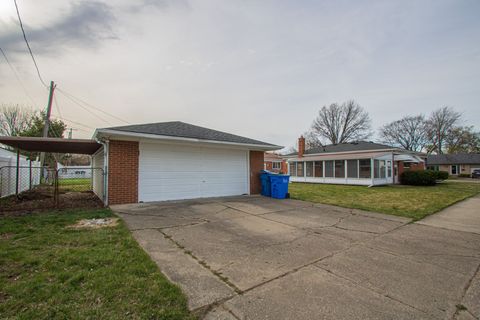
(85, 24)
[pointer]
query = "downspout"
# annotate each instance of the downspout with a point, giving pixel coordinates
(105, 170)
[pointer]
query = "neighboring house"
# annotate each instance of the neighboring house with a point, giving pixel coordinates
(274, 163)
(176, 160)
(358, 163)
(74, 172)
(454, 164)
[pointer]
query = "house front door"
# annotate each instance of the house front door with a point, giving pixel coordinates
(455, 169)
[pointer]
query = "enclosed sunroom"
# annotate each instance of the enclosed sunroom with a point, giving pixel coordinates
(357, 163)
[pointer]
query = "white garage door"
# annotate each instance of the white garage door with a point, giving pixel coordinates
(174, 172)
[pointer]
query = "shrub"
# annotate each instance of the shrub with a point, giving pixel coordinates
(419, 178)
(440, 175)
(464, 175)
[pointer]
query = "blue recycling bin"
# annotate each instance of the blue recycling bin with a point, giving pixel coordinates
(279, 186)
(265, 180)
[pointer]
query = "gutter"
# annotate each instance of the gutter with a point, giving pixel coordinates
(104, 143)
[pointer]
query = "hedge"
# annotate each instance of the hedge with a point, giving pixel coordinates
(419, 178)
(440, 175)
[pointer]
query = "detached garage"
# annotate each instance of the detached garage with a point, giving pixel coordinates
(176, 160)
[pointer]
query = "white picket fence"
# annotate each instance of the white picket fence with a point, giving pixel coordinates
(29, 173)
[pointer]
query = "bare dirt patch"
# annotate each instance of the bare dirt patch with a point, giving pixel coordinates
(42, 199)
(95, 223)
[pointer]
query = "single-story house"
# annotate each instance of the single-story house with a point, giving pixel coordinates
(454, 164)
(74, 172)
(357, 163)
(176, 160)
(274, 163)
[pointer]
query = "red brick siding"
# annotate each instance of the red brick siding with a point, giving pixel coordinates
(283, 168)
(123, 172)
(413, 167)
(256, 165)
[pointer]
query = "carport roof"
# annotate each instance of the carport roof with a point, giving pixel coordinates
(57, 145)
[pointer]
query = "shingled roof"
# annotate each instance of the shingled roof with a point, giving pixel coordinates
(347, 147)
(458, 158)
(186, 130)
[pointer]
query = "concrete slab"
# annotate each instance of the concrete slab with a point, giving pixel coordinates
(262, 258)
(267, 263)
(413, 283)
(200, 286)
(312, 293)
(471, 300)
(463, 216)
(452, 250)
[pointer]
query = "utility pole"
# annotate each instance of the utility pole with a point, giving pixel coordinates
(70, 133)
(47, 119)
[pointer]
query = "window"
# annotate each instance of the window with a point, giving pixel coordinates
(455, 169)
(309, 168)
(300, 169)
(293, 169)
(329, 169)
(365, 168)
(339, 168)
(434, 168)
(352, 168)
(276, 165)
(376, 167)
(382, 172)
(389, 169)
(318, 169)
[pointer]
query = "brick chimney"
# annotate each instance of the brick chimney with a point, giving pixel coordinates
(301, 146)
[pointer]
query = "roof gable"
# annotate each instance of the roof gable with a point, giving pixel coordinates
(186, 130)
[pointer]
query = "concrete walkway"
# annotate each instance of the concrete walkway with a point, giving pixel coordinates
(261, 258)
(463, 216)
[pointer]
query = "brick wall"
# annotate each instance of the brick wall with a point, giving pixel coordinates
(123, 172)
(256, 164)
(413, 167)
(283, 167)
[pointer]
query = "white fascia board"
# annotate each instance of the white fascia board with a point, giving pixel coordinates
(134, 136)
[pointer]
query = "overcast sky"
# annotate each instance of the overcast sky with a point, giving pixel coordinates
(260, 69)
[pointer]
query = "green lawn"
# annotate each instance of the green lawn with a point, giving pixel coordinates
(48, 271)
(407, 201)
(75, 184)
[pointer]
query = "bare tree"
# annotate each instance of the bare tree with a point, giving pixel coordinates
(342, 123)
(408, 133)
(463, 139)
(14, 119)
(438, 126)
(311, 140)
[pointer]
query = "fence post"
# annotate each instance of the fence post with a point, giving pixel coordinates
(17, 173)
(30, 175)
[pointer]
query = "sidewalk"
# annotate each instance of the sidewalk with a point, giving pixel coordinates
(463, 216)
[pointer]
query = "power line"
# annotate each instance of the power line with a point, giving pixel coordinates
(28, 45)
(56, 106)
(75, 122)
(91, 106)
(18, 78)
(88, 110)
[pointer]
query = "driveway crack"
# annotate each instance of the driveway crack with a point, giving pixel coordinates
(201, 262)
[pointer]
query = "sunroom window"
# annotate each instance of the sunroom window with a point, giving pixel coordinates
(339, 168)
(293, 169)
(329, 169)
(352, 168)
(318, 169)
(309, 168)
(365, 168)
(376, 168)
(300, 169)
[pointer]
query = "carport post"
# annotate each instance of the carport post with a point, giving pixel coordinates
(18, 173)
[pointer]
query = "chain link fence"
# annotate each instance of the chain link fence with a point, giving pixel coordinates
(41, 183)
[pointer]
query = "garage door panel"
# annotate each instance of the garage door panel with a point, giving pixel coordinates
(171, 172)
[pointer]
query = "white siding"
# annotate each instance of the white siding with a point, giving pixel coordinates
(98, 162)
(8, 173)
(174, 172)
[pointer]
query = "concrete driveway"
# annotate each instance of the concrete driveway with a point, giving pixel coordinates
(261, 258)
